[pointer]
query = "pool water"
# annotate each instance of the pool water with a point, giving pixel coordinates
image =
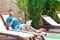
(52, 37)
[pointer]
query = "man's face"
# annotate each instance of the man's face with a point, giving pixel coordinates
(11, 13)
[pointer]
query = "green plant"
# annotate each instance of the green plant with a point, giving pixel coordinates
(34, 10)
(58, 8)
(49, 8)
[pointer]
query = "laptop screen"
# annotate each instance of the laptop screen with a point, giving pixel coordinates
(28, 22)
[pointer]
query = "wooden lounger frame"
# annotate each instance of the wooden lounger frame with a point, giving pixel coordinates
(50, 25)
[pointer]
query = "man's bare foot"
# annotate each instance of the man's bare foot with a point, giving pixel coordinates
(40, 30)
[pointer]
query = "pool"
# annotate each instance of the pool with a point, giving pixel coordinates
(52, 36)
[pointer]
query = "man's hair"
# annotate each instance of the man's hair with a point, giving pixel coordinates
(10, 10)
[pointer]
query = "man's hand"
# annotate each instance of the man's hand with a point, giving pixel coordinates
(40, 30)
(20, 18)
(13, 19)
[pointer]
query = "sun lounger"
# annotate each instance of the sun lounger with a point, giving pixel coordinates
(27, 23)
(18, 35)
(49, 20)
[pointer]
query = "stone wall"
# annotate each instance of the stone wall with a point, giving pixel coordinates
(5, 5)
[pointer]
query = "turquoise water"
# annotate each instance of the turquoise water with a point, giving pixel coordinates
(53, 37)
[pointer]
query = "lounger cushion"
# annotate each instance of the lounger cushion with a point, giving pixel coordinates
(21, 34)
(50, 21)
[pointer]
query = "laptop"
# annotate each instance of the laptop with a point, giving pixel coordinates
(28, 23)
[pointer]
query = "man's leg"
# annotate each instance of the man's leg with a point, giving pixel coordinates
(40, 30)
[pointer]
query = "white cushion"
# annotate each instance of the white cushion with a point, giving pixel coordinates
(2, 27)
(17, 33)
(50, 21)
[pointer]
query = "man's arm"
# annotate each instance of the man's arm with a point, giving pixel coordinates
(9, 24)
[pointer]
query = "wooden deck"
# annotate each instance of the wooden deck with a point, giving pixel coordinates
(2, 37)
(54, 31)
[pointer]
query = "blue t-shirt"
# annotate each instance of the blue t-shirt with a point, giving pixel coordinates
(15, 22)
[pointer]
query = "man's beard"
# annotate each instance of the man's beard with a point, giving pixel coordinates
(10, 14)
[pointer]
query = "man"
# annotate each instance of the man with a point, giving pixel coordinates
(14, 22)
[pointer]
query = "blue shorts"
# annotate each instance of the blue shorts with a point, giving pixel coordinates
(19, 27)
